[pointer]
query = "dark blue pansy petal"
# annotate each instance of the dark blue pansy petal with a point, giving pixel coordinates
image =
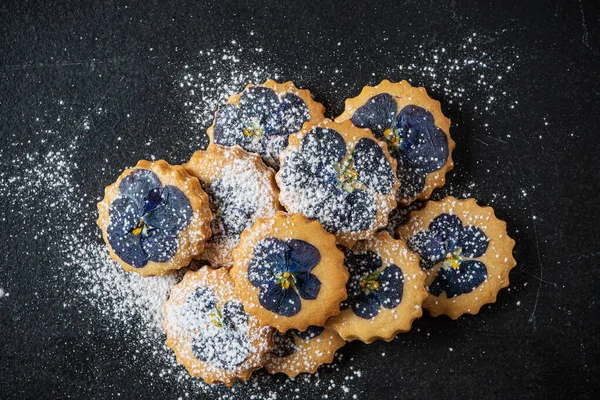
(423, 143)
(155, 199)
(138, 184)
(365, 306)
(129, 248)
(285, 345)
(362, 211)
(174, 215)
(289, 117)
(270, 255)
(124, 216)
(323, 146)
(201, 300)
(461, 280)
(228, 129)
(303, 256)
(311, 333)
(234, 315)
(279, 300)
(391, 286)
(360, 264)
(474, 242)
(448, 228)
(308, 286)
(258, 102)
(160, 246)
(377, 114)
(430, 249)
(373, 168)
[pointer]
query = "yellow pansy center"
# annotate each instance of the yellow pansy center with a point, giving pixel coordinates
(392, 137)
(453, 259)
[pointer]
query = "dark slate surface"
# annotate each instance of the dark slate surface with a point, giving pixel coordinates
(539, 341)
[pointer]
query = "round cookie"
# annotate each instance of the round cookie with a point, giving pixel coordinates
(465, 251)
(415, 129)
(341, 176)
(209, 331)
(154, 218)
(289, 272)
(240, 188)
(385, 290)
(297, 352)
(261, 117)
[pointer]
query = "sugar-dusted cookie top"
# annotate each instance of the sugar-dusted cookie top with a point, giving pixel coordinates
(416, 132)
(385, 290)
(289, 273)
(465, 251)
(261, 118)
(298, 352)
(341, 176)
(154, 218)
(209, 331)
(241, 189)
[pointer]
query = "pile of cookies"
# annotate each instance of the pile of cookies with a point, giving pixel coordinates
(287, 211)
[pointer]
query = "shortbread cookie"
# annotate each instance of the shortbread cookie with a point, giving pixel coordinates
(297, 352)
(385, 290)
(261, 118)
(289, 273)
(341, 176)
(465, 251)
(415, 130)
(209, 331)
(154, 218)
(240, 188)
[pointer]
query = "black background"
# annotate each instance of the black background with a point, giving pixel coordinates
(536, 163)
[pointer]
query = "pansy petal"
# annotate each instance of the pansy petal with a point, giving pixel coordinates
(289, 117)
(138, 184)
(377, 114)
(160, 246)
(124, 216)
(174, 215)
(391, 286)
(423, 143)
(374, 170)
(228, 127)
(456, 281)
(128, 248)
(365, 306)
(310, 333)
(284, 344)
(360, 264)
(269, 259)
(308, 286)
(362, 210)
(324, 146)
(303, 256)
(428, 246)
(448, 228)
(258, 102)
(474, 242)
(279, 300)
(234, 315)
(155, 199)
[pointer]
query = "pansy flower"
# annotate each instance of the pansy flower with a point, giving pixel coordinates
(455, 246)
(261, 118)
(403, 116)
(146, 219)
(372, 285)
(348, 190)
(282, 271)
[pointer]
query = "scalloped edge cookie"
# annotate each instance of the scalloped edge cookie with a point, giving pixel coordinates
(351, 134)
(330, 270)
(498, 257)
(219, 281)
(409, 95)
(208, 165)
(389, 322)
(191, 239)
